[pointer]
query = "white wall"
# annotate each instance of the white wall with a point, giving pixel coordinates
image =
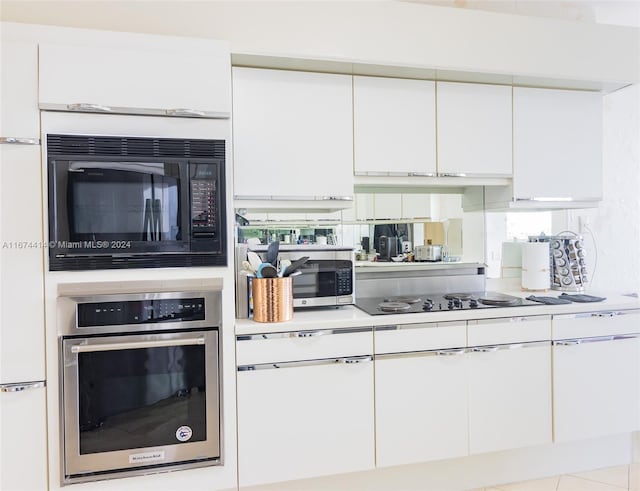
(616, 223)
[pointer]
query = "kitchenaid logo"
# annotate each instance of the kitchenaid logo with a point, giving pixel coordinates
(137, 458)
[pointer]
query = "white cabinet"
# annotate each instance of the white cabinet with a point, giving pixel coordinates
(416, 206)
(421, 393)
(21, 265)
(509, 396)
(557, 144)
(387, 206)
(186, 78)
(300, 419)
(394, 126)
(474, 129)
(292, 135)
(509, 383)
(596, 378)
(23, 440)
(20, 116)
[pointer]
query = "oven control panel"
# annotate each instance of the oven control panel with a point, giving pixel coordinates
(97, 314)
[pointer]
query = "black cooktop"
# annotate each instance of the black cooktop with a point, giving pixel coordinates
(439, 302)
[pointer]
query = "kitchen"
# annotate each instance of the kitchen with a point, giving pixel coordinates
(74, 283)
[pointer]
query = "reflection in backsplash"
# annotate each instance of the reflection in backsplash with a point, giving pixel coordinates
(407, 220)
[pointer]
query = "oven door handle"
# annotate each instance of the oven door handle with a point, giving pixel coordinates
(88, 348)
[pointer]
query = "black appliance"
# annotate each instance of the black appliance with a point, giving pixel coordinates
(132, 202)
(387, 248)
(438, 302)
(140, 383)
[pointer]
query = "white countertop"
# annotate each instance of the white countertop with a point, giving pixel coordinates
(351, 316)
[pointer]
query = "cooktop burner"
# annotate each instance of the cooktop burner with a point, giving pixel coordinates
(438, 302)
(388, 306)
(403, 299)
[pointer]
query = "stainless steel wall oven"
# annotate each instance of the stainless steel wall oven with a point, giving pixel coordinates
(135, 202)
(140, 383)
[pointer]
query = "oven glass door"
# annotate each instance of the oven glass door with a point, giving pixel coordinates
(139, 400)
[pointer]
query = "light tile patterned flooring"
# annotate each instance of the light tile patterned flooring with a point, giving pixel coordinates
(609, 479)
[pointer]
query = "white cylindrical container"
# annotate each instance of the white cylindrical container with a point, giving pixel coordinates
(535, 266)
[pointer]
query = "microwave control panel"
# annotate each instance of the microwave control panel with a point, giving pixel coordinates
(204, 200)
(344, 281)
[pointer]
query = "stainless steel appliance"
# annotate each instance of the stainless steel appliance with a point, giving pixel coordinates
(567, 261)
(430, 253)
(140, 383)
(387, 248)
(438, 302)
(135, 202)
(326, 279)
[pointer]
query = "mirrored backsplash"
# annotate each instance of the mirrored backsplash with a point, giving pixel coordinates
(409, 220)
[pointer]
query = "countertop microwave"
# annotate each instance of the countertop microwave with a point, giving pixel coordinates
(327, 279)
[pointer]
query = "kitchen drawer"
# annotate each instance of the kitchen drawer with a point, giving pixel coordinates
(420, 337)
(591, 324)
(303, 345)
(509, 330)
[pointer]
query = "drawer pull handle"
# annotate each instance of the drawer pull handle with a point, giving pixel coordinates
(356, 359)
(605, 314)
(185, 112)
(450, 352)
(486, 349)
(307, 334)
(82, 106)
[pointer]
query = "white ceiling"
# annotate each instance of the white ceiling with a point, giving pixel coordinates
(619, 12)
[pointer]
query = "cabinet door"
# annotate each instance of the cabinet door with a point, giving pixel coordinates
(387, 206)
(20, 116)
(421, 407)
(365, 206)
(21, 265)
(301, 420)
(474, 129)
(509, 396)
(394, 126)
(293, 134)
(23, 440)
(137, 78)
(557, 144)
(595, 387)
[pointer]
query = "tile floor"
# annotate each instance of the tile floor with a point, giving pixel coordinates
(609, 479)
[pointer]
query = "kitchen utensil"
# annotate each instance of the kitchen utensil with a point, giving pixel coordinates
(397, 259)
(254, 260)
(272, 253)
(295, 266)
(246, 266)
(267, 270)
(284, 264)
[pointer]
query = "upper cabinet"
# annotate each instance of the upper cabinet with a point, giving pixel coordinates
(394, 126)
(190, 80)
(293, 137)
(474, 129)
(557, 153)
(557, 144)
(20, 119)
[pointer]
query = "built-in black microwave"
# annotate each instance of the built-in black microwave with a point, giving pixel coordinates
(133, 202)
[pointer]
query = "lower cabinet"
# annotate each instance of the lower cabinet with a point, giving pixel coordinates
(509, 396)
(23, 439)
(301, 419)
(595, 390)
(421, 406)
(596, 374)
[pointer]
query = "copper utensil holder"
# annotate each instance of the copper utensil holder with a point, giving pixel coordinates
(272, 299)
